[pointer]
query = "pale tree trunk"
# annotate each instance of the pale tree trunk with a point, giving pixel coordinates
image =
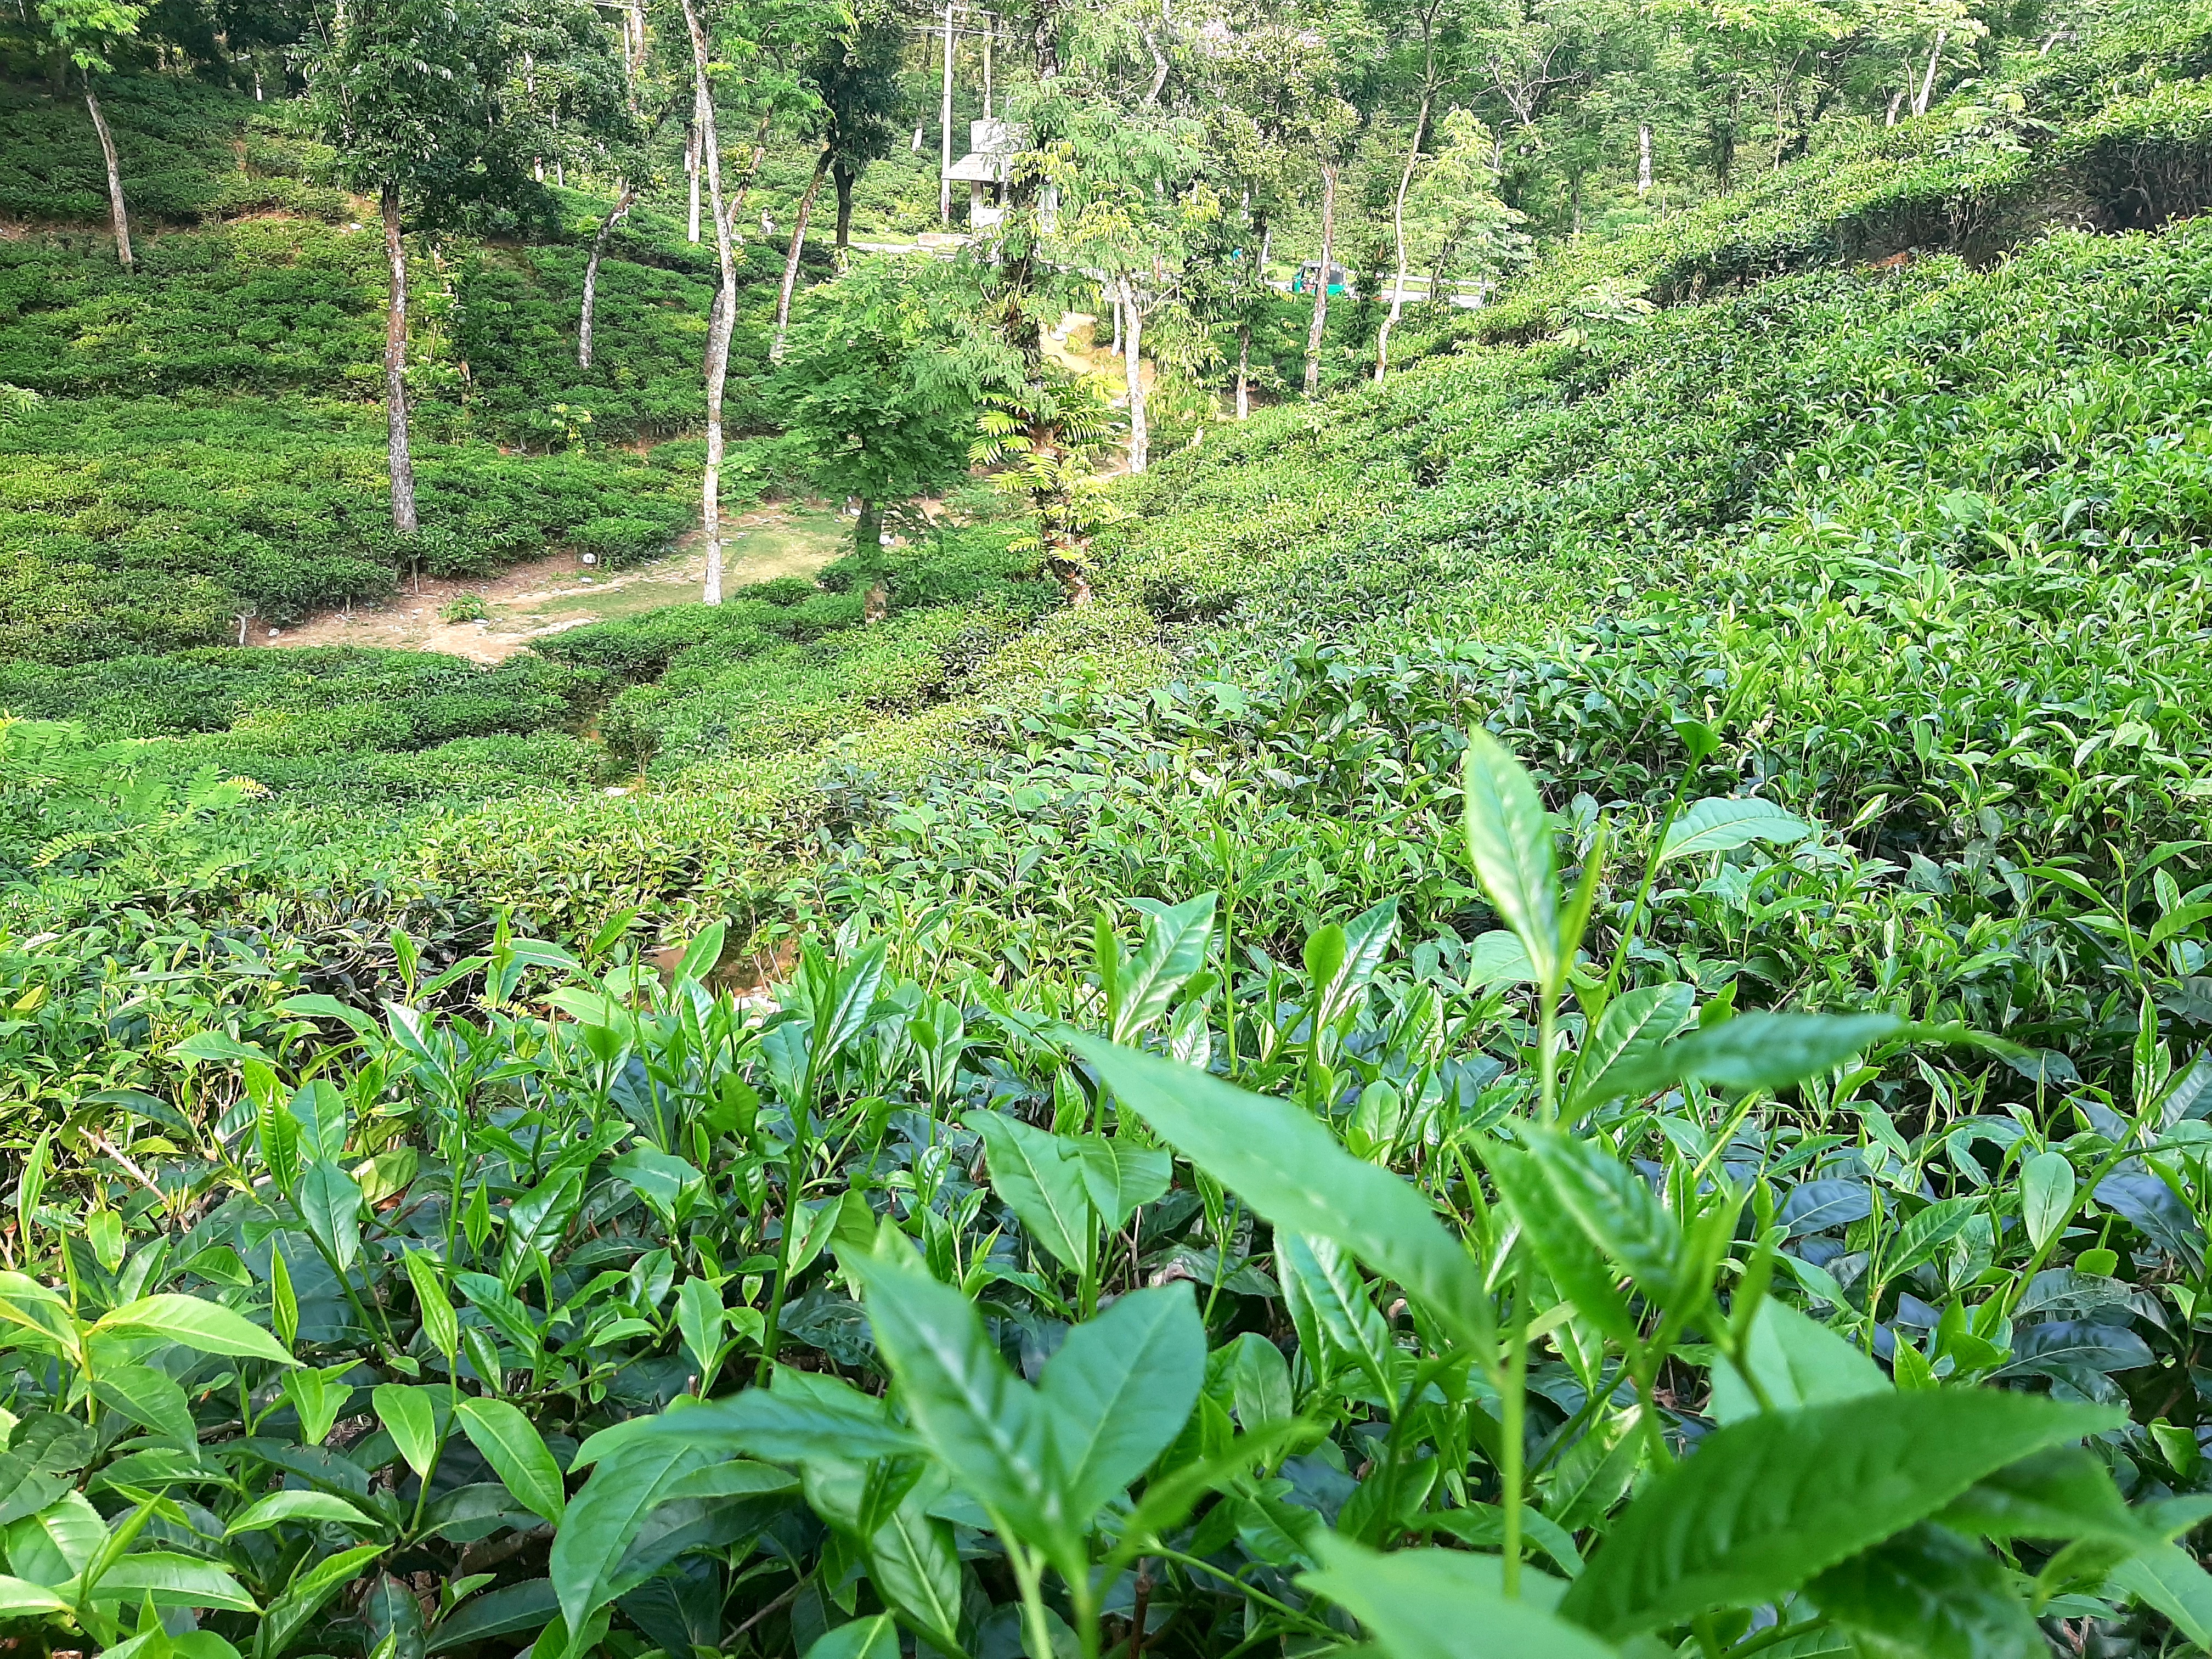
(791, 259)
(626, 196)
(1398, 230)
(1644, 159)
(691, 172)
(1321, 283)
(395, 370)
(1243, 371)
(117, 216)
(725, 317)
(1928, 83)
(1133, 340)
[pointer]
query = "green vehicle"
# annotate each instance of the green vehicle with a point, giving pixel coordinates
(1339, 279)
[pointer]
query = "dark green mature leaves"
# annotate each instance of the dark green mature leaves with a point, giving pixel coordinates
(1928, 1594)
(1042, 1177)
(1292, 1171)
(1771, 1501)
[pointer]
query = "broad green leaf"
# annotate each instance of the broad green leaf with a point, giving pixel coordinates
(205, 1326)
(1629, 1032)
(1927, 1232)
(411, 1419)
(602, 1520)
(1509, 841)
(2046, 1196)
(658, 1177)
(1720, 823)
(1041, 1178)
(1797, 1361)
(440, 1323)
(1928, 1594)
(769, 1422)
(59, 1541)
(1614, 1206)
(517, 1454)
(317, 1396)
(852, 1001)
(1119, 1175)
(1581, 1274)
(2168, 1577)
(1119, 1391)
(1176, 941)
(170, 1581)
(312, 1586)
(2064, 1492)
(330, 1204)
(1366, 941)
(702, 954)
(1260, 1379)
(1447, 1604)
(1498, 957)
(1756, 1051)
(20, 1599)
(915, 1567)
(1290, 1169)
(700, 1317)
(149, 1397)
(875, 1638)
(987, 1427)
(319, 1110)
(1332, 1310)
(503, 1612)
(1769, 1501)
(303, 1507)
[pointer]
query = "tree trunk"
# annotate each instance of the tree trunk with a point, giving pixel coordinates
(691, 169)
(116, 214)
(1643, 160)
(724, 317)
(1133, 340)
(1243, 371)
(842, 176)
(627, 196)
(868, 535)
(798, 248)
(1398, 231)
(1928, 84)
(395, 370)
(1321, 281)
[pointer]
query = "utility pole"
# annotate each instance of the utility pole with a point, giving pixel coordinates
(992, 29)
(944, 168)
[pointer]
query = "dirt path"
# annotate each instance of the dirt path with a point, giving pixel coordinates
(548, 596)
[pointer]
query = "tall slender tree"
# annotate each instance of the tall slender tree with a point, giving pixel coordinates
(86, 31)
(415, 97)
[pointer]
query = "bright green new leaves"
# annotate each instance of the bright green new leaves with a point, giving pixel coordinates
(303, 1507)
(1720, 823)
(1292, 1171)
(147, 1396)
(1795, 1361)
(517, 1454)
(1066, 1188)
(1118, 1392)
(1769, 1501)
(440, 1323)
(1041, 1177)
(875, 1638)
(603, 1518)
(412, 1420)
(1044, 1460)
(1508, 842)
(208, 1327)
(1139, 989)
(1447, 1604)
(1627, 1037)
(2046, 1196)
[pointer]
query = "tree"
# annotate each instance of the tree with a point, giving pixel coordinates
(86, 32)
(413, 94)
(880, 384)
(1045, 440)
(858, 80)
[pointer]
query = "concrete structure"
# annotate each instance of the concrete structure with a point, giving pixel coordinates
(992, 147)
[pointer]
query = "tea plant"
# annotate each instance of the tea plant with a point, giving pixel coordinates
(1195, 1304)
